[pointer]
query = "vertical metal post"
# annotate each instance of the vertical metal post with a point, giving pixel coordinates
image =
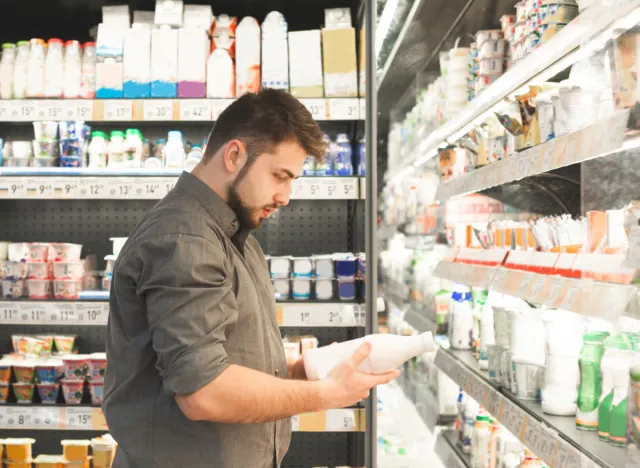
(371, 216)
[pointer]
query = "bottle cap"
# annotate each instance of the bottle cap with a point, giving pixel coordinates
(117, 133)
(98, 133)
(8, 45)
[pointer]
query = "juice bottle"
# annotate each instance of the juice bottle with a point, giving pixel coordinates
(6, 70)
(20, 70)
(247, 56)
(54, 69)
(72, 69)
(35, 69)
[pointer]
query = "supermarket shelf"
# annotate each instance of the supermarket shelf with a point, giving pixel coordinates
(554, 439)
(581, 38)
(601, 139)
(583, 296)
(158, 110)
(88, 418)
(85, 184)
(450, 452)
(302, 314)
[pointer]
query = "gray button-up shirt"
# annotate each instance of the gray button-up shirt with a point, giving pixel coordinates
(190, 294)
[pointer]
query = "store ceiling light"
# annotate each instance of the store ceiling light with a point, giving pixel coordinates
(382, 29)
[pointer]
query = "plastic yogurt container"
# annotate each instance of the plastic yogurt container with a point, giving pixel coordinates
(72, 391)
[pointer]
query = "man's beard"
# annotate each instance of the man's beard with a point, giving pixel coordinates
(245, 213)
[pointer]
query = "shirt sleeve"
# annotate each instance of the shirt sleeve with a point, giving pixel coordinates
(191, 307)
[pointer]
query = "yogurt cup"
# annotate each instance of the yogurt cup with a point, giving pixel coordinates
(75, 366)
(38, 252)
(47, 344)
(68, 270)
(48, 461)
(23, 392)
(75, 450)
(67, 289)
(13, 270)
(96, 389)
(325, 267)
(111, 260)
(488, 35)
(74, 130)
(103, 449)
(18, 252)
(72, 391)
(301, 288)
(118, 243)
(4, 393)
(71, 147)
(97, 366)
(24, 371)
(18, 450)
(49, 371)
(45, 130)
(17, 162)
(324, 289)
(48, 393)
(45, 162)
(22, 149)
(490, 66)
(12, 289)
(5, 371)
(70, 161)
(282, 288)
(549, 31)
(557, 13)
(521, 11)
(302, 267)
(346, 290)
(63, 252)
(280, 267)
(39, 289)
(27, 345)
(39, 271)
(45, 149)
(346, 267)
(492, 49)
(64, 343)
(528, 379)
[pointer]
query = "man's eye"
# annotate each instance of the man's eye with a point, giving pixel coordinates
(281, 177)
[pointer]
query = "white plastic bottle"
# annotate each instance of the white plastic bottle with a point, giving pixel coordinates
(98, 150)
(460, 318)
(115, 150)
(221, 75)
(20, 70)
(133, 148)
(88, 79)
(6, 70)
(247, 56)
(387, 353)
(72, 70)
(35, 69)
(174, 150)
(193, 158)
(54, 69)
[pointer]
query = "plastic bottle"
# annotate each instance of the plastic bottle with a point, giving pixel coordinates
(115, 150)
(309, 166)
(193, 158)
(343, 164)
(590, 389)
(480, 441)
(633, 414)
(612, 348)
(247, 56)
(98, 150)
(132, 148)
(487, 335)
(387, 353)
(460, 318)
(174, 150)
(35, 69)
(619, 403)
(6, 70)
(88, 72)
(221, 75)
(362, 157)
(325, 167)
(20, 70)
(72, 70)
(54, 69)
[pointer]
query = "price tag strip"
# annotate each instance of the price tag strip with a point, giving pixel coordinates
(76, 313)
(320, 315)
(325, 188)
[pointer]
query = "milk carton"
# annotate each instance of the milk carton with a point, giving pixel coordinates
(275, 52)
(221, 75)
(164, 62)
(247, 56)
(109, 82)
(137, 61)
(305, 63)
(169, 12)
(193, 47)
(339, 62)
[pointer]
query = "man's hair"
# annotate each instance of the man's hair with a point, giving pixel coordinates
(264, 120)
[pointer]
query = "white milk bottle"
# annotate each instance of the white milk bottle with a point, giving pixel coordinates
(387, 353)
(221, 78)
(54, 69)
(6, 70)
(115, 150)
(174, 150)
(88, 79)
(20, 70)
(72, 70)
(35, 69)
(98, 150)
(247, 56)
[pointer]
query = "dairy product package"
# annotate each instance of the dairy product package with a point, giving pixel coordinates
(169, 12)
(197, 16)
(362, 61)
(339, 62)
(193, 47)
(137, 62)
(224, 25)
(337, 18)
(110, 40)
(164, 62)
(221, 75)
(247, 56)
(305, 64)
(143, 17)
(116, 15)
(275, 52)
(109, 78)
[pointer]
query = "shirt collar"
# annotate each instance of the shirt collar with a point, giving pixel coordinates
(217, 208)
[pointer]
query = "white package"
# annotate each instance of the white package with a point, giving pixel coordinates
(164, 55)
(302, 266)
(275, 52)
(193, 47)
(280, 267)
(110, 42)
(169, 12)
(305, 63)
(247, 56)
(221, 75)
(117, 15)
(142, 17)
(197, 16)
(137, 54)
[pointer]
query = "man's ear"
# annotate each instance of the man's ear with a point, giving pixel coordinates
(234, 156)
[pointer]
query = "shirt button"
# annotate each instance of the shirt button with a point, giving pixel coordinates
(277, 372)
(234, 224)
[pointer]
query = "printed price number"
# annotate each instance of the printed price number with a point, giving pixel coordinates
(80, 418)
(50, 110)
(118, 110)
(92, 313)
(158, 110)
(79, 110)
(335, 318)
(5, 110)
(349, 190)
(340, 420)
(195, 110)
(23, 110)
(343, 109)
(546, 446)
(66, 189)
(18, 418)
(9, 312)
(93, 189)
(316, 107)
(514, 419)
(63, 315)
(32, 313)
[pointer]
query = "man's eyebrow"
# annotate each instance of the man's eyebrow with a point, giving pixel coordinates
(289, 173)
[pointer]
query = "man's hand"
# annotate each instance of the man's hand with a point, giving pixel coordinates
(296, 369)
(346, 385)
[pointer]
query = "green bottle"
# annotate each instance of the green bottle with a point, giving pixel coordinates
(613, 359)
(590, 389)
(633, 414)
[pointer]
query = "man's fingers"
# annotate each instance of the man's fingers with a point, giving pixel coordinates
(361, 354)
(382, 379)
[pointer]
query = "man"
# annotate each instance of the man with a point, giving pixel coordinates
(196, 374)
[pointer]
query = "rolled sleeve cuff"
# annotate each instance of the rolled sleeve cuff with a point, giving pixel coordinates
(195, 368)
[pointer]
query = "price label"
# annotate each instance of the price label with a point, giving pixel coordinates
(118, 110)
(570, 301)
(46, 418)
(343, 109)
(120, 188)
(363, 109)
(562, 455)
(23, 110)
(558, 152)
(492, 176)
(5, 111)
(50, 110)
(527, 280)
(532, 434)
(167, 184)
(514, 419)
(546, 448)
(571, 151)
(295, 423)
(92, 313)
(340, 420)
(218, 106)
(33, 313)
(81, 109)
(556, 292)
(18, 418)
(317, 108)
(66, 187)
(95, 188)
(547, 156)
(494, 405)
(574, 459)
(539, 289)
(9, 312)
(499, 279)
(63, 313)
(348, 190)
(38, 188)
(523, 165)
(160, 109)
(512, 163)
(195, 109)
(79, 418)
